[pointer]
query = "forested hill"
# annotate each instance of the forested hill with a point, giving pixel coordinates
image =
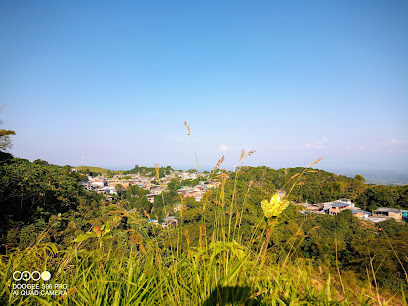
(317, 186)
(32, 194)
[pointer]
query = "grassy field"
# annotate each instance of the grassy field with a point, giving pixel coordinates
(92, 169)
(97, 169)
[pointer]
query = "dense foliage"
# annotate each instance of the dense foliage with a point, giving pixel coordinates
(32, 195)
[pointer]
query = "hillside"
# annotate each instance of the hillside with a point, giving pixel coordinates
(92, 169)
(226, 248)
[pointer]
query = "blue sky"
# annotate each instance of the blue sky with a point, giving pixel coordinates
(295, 80)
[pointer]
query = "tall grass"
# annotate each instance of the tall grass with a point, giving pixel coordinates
(221, 273)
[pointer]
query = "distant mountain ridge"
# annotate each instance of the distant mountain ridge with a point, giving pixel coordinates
(378, 177)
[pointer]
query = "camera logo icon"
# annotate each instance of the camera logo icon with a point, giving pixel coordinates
(34, 275)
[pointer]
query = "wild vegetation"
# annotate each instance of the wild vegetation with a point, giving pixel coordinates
(226, 249)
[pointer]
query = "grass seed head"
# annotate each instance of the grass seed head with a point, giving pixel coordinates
(220, 161)
(187, 236)
(295, 175)
(242, 155)
(157, 171)
(146, 214)
(181, 199)
(316, 161)
(188, 129)
(220, 204)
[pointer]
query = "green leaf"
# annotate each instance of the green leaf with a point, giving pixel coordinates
(81, 238)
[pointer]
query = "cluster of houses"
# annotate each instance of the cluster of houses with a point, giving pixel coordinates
(197, 191)
(107, 186)
(335, 207)
(168, 221)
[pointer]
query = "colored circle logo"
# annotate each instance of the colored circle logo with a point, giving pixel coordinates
(46, 275)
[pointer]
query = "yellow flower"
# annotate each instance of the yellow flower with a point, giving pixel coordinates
(275, 207)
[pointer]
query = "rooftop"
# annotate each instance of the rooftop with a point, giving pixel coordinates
(340, 204)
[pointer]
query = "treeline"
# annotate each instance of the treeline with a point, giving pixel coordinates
(150, 171)
(318, 186)
(375, 196)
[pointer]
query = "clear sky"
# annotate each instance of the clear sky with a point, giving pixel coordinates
(295, 80)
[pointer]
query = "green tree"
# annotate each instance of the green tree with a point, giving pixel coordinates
(5, 141)
(121, 191)
(174, 184)
(40, 162)
(30, 194)
(359, 177)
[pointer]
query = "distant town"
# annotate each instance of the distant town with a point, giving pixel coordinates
(103, 184)
(108, 187)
